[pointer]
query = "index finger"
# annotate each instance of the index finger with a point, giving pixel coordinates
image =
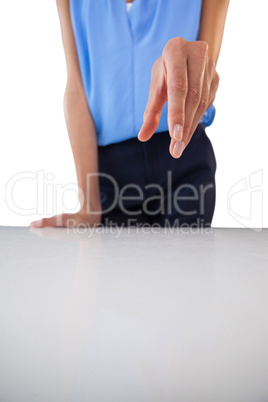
(155, 104)
(175, 61)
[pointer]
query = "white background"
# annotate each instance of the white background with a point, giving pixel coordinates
(34, 137)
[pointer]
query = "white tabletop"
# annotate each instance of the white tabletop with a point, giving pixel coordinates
(137, 315)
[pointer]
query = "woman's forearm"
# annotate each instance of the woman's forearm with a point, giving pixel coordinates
(83, 139)
(212, 23)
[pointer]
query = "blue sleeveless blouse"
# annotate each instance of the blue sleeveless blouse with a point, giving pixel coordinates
(116, 51)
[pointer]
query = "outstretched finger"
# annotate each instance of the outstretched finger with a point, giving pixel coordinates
(156, 101)
(177, 86)
(198, 91)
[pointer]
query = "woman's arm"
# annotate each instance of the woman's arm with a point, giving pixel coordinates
(213, 16)
(80, 125)
(185, 76)
(81, 130)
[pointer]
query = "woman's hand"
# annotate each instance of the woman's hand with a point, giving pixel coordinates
(82, 218)
(186, 78)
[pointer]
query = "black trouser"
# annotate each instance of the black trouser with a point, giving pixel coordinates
(147, 185)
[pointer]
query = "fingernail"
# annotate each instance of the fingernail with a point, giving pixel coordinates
(178, 148)
(36, 224)
(177, 132)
